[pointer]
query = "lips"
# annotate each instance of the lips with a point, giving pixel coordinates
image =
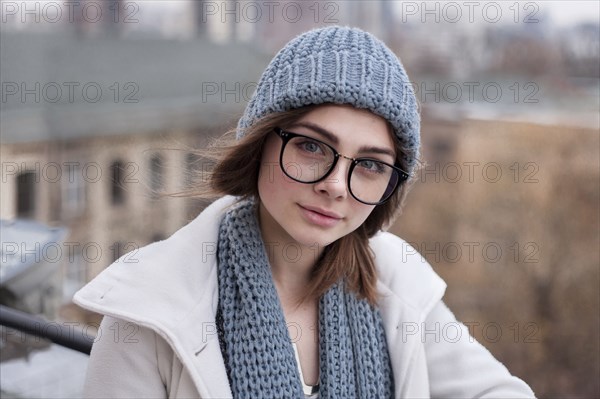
(319, 216)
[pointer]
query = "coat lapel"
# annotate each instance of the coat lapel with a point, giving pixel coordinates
(408, 289)
(200, 351)
(402, 331)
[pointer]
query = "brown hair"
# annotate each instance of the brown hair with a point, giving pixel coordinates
(236, 168)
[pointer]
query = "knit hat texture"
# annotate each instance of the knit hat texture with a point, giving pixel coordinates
(340, 65)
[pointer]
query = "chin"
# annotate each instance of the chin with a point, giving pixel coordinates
(314, 239)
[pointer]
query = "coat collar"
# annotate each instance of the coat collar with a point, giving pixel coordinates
(141, 290)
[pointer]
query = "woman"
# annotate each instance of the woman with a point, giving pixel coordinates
(286, 286)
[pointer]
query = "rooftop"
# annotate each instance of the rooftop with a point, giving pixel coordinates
(25, 243)
(62, 86)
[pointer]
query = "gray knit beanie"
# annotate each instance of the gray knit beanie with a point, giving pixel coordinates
(340, 65)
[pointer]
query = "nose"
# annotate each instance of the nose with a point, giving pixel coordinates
(335, 184)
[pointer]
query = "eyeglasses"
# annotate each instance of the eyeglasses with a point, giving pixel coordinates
(308, 160)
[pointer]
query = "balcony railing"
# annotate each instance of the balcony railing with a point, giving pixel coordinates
(38, 327)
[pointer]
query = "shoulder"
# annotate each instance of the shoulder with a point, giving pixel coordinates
(405, 273)
(179, 268)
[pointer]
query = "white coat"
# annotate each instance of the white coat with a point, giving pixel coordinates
(158, 337)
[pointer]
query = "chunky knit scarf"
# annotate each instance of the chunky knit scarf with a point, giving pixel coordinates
(258, 352)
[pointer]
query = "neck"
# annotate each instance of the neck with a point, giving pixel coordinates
(291, 263)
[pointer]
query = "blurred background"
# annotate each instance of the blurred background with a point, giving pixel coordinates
(103, 103)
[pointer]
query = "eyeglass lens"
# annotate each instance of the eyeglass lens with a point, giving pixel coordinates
(307, 161)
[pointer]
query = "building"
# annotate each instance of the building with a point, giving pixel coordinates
(93, 128)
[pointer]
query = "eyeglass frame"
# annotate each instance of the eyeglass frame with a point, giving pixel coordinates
(286, 136)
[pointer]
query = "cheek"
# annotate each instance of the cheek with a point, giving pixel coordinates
(272, 183)
(361, 212)
(276, 193)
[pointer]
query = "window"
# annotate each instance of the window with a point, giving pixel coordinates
(26, 195)
(195, 171)
(157, 237)
(75, 275)
(192, 167)
(117, 183)
(117, 250)
(74, 195)
(156, 175)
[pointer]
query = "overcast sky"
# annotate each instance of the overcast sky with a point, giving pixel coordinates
(567, 12)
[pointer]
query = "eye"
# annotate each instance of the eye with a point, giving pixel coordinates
(371, 166)
(310, 146)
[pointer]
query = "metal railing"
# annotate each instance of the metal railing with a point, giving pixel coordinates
(39, 327)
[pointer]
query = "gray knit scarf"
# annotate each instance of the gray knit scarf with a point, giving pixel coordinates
(258, 352)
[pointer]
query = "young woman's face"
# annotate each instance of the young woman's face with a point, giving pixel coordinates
(317, 214)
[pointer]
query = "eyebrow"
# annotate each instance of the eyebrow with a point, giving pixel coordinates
(334, 139)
